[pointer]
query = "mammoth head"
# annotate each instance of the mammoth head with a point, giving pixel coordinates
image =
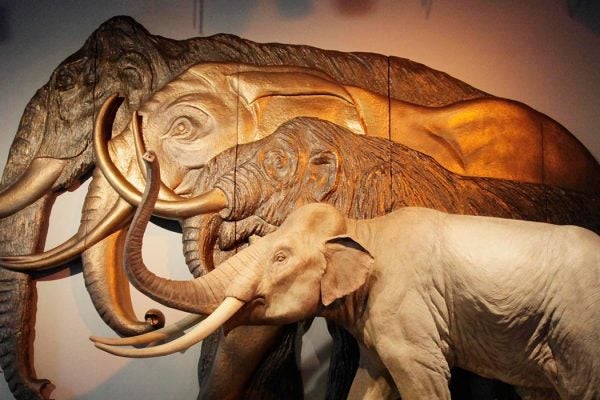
(214, 106)
(52, 148)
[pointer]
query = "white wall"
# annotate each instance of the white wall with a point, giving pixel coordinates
(529, 51)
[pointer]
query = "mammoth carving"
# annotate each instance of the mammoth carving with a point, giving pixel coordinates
(422, 290)
(121, 56)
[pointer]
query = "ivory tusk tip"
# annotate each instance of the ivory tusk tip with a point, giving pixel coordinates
(106, 348)
(105, 340)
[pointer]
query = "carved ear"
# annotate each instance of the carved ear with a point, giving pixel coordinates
(322, 174)
(253, 85)
(348, 265)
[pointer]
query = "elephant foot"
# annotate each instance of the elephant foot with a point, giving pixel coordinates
(33, 389)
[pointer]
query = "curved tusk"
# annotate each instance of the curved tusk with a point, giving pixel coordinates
(36, 181)
(140, 150)
(213, 322)
(212, 201)
(165, 333)
(118, 216)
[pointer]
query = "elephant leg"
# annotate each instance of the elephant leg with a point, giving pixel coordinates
(343, 364)
(227, 363)
(372, 380)
(278, 377)
(21, 234)
(467, 385)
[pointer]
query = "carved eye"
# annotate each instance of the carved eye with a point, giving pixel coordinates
(131, 76)
(182, 128)
(65, 80)
(277, 164)
(280, 257)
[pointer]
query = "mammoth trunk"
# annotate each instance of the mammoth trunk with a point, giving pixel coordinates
(22, 233)
(244, 191)
(199, 239)
(102, 265)
(201, 295)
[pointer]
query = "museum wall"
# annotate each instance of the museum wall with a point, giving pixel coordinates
(534, 52)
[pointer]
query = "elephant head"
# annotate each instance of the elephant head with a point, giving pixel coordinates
(261, 284)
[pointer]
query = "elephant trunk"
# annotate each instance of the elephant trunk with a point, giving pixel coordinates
(22, 232)
(245, 188)
(199, 238)
(233, 278)
(102, 267)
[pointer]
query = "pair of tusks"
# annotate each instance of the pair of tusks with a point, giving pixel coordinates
(205, 327)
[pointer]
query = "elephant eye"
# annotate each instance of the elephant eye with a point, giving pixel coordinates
(181, 128)
(188, 128)
(280, 257)
(131, 76)
(277, 164)
(65, 80)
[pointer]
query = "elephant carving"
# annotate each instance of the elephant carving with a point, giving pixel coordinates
(422, 290)
(53, 151)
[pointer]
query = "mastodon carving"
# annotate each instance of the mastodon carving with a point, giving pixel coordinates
(55, 133)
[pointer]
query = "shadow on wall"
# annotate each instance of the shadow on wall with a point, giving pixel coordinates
(4, 28)
(586, 12)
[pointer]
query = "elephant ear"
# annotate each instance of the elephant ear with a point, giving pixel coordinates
(347, 267)
(254, 85)
(322, 175)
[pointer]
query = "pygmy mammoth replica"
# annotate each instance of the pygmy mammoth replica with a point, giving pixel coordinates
(422, 291)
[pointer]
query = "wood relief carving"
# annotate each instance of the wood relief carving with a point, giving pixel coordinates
(244, 133)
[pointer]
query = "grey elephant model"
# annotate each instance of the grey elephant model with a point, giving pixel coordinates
(422, 290)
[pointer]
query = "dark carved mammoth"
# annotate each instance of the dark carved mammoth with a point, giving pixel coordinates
(122, 57)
